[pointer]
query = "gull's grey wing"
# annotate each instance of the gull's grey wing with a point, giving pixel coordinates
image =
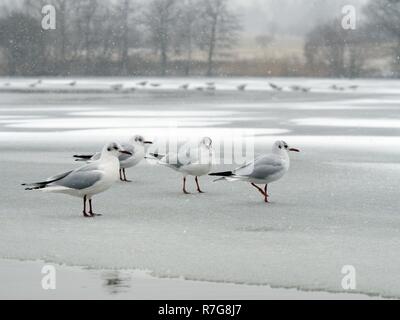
(171, 160)
(80, 179)
(187, 156)
(96, 156)
(262, 167)
(84, 157)
(41, 185)
(58, 177)
(124, 156)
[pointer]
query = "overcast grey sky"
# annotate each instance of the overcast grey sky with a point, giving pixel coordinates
(290, 16)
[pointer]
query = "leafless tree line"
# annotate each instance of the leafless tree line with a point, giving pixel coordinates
(344, 53)
(117, 37)
(183, 37)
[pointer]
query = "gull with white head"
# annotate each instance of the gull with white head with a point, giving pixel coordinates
(190, 161)
(265, 169)
(88, 180)
(137, 148)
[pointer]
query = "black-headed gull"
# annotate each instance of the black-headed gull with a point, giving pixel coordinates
(190, 161)
(88, 180)
(265, 169)
(137, 148)
(275, 87)
(117, 87)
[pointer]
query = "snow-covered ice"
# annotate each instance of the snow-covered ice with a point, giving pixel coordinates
(337, 206)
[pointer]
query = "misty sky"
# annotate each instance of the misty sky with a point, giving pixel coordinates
(289, 16)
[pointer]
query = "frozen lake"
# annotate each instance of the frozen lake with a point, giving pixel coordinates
(338, 205)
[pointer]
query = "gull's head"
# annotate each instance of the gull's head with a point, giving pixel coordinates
(281, 146)
(114, 149)
(206, 142)
(138, 139)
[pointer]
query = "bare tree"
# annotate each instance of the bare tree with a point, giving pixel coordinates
(21, 40)
(384, 19)
(160, 20)
(62, 8)
(220, 29)
(125, 15)
(340, 52)
(189, 30)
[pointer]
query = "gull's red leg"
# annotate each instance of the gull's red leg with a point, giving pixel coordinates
(120, 175)
(125, 179)
(84, 208)
(198, 186)
(91, 209)
(184, 186)
(266, 193)
(258, 188)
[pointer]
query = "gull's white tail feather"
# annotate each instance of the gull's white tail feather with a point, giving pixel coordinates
(231, 179)
(54, 189)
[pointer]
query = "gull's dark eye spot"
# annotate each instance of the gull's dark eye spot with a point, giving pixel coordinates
(286, 147)
(108, 149)
(280, 147)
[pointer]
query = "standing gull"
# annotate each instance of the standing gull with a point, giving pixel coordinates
(137, 149)
(88, 180)
(265, 169)
(189, 161)
(275, 87)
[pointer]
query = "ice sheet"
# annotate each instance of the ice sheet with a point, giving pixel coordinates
(334, 208)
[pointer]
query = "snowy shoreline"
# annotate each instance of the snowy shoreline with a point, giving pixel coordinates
(22, 280)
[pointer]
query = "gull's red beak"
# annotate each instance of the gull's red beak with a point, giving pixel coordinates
(294, 150)
(125, 152)
(148, 142)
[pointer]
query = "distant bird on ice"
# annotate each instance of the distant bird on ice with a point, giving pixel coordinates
(275, 87)
(88, 180)
(190, 161)
(137, 150)
(33, 85)
(72, 84)
(242, 87)
(155, 85)
(117, 87)
(300, 88)
(265, 169)
(335, 87)
(143, 83)
(185, 86)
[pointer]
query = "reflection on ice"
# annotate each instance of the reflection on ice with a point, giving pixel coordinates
(116, 282)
